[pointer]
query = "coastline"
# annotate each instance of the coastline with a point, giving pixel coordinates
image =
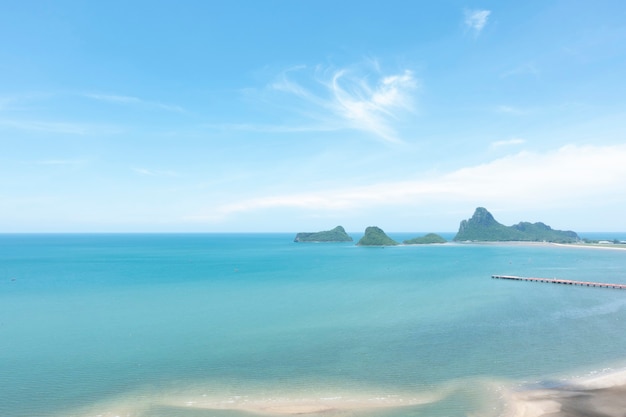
(592, 246)
(279, 403)
(598, 395)
(303, 406)
(617, 247)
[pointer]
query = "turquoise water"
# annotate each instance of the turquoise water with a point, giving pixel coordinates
(155, 325)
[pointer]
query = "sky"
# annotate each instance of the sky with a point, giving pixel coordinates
(291, 116)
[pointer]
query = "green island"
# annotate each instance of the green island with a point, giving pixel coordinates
(482, 227)
(338, 234)
(374, 236)
(429, 239)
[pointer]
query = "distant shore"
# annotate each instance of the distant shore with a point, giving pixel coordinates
(609, 246)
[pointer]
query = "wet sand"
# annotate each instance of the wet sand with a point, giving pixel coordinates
(167, 404)
(309, 406)
(603, 396)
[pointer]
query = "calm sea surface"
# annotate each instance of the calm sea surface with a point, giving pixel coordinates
(154, 325)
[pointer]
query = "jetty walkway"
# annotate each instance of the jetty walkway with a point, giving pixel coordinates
(563, 281)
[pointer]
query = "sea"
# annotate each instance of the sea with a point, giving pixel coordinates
(234, 325)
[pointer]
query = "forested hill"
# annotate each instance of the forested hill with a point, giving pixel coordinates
(338, 234)
(483, 227)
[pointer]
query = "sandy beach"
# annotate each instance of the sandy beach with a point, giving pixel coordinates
(602, 396)
(140, 404)
(618, 247)
(592, 246)
(305, 405)
(599, 396)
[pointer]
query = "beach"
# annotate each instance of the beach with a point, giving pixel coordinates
(603, 395)
(207, 400)
(595, 396)
(618, 247)
(593, 246)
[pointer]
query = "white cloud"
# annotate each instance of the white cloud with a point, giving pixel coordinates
(155, 173)
(562, 177)
(528, 68)
(510, 110)
(476, 20)
(349, 100)
(129, 100)
(249, 127)
(284, 83)
(371, 108)
(508, 142)
(62, 162)
(57, 127)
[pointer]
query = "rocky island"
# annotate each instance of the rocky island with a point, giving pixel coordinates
(482, 227)
(338, 234)
(375, 236)
(428, 239)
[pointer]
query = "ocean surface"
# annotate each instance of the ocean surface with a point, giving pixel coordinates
(156, 325)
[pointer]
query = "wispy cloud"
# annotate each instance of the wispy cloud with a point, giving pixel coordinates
(371, 108)
(508, 142)
(259, 128)
(476, 20)
(347, 98)
(528, 68)
(510, 110)
(155, 173)
(129, 100)
(62, 162)
(562, 177)
(70, 128)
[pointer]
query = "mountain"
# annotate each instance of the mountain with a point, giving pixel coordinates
(338, 234)
(375, 236)
(483, 227)
(425, 240)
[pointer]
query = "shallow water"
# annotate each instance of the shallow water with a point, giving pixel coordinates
(156, 325)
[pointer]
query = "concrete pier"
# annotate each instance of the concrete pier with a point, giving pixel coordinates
(563, 281)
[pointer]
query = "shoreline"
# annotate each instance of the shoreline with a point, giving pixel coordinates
(279, 403)
(592, 246)
(618, 247)
(600, 394)
(597, 395)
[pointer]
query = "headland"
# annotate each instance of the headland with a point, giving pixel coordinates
(483, 227)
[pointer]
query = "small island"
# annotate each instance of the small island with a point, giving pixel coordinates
(482, 227)
(374, 236)
(338, 234)
(429, 239)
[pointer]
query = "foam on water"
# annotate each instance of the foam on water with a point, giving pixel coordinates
(205, 399)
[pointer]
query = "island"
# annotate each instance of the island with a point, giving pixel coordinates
(374, 236)
(338, 234)
(482, 227)
(430, 238)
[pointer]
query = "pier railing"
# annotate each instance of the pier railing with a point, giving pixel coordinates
(562, 281)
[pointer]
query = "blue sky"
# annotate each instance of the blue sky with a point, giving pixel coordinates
(290, 116)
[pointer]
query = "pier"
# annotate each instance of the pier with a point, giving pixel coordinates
(563, 281)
